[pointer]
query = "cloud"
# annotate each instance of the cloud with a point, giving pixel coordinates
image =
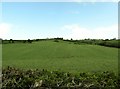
(78, 32)
(4, 29)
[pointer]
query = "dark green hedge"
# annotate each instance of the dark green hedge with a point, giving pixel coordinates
(106, 42)
(112, 43)
(42, 79)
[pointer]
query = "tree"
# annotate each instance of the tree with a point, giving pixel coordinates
(10, 41)
(37, 39)
(29, 41)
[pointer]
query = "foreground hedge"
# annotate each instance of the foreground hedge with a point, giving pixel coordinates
(42, 79)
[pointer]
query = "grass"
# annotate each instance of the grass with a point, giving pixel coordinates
(61, 56)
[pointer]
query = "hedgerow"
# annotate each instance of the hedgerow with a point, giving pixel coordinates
(13, 78)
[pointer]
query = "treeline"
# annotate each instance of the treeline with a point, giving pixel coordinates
(103, 42)
(106, 42)
(16, 41)
(29, 40)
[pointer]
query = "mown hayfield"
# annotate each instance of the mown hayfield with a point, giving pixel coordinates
(62, 56)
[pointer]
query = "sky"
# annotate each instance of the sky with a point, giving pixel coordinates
(76, 20)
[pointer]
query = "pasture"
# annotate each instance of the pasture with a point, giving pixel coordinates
(62, 56)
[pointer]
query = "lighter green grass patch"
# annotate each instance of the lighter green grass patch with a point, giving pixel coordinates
(61, 56)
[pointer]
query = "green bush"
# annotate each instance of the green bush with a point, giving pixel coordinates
(41, 79)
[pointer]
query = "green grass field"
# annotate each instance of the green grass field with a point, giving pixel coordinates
(63, 56)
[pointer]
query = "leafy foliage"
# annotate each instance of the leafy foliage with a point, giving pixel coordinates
(41, 79)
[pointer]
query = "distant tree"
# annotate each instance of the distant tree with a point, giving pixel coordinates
(10, 41)
(106, 39)
(29, 41)
(58, 38)
(37, 39)
(113, 39)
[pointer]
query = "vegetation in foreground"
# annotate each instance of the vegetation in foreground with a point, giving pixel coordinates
(42, 79)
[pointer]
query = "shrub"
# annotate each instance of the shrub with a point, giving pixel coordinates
(37, 79)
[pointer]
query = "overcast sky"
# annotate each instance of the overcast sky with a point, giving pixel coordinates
(77, 20)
